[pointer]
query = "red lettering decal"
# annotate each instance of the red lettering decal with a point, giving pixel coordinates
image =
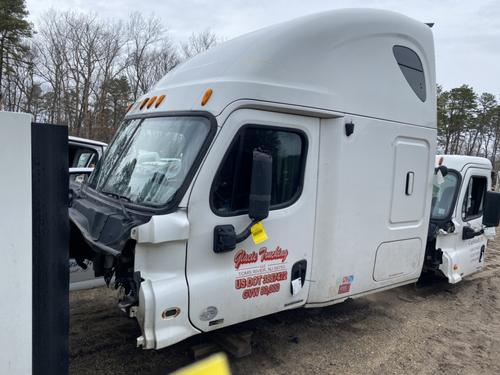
(240, 283)
(250, 293)
(277, 254)
(269, 289)
(242, 257)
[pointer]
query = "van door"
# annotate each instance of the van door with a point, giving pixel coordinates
(468, 253)
(255, 279)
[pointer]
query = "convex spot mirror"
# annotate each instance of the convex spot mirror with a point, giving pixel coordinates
(260, 186)
(491, 211)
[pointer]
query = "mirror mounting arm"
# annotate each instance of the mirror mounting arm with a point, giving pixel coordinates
(226, 239)
(246, 232)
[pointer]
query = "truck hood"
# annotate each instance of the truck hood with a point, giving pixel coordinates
(104, 227)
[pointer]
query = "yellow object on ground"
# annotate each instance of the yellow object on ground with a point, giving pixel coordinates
(214, 365)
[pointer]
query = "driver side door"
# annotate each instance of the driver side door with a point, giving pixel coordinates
(255, 279)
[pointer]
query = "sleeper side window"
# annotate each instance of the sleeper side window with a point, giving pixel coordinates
(231, 187)
(412, 69)
(472, 206)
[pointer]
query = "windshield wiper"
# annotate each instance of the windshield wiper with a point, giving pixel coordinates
(117, 196)
(120, 199)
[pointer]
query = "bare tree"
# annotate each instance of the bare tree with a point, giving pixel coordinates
(51, 47)
(79, 55)
(143, 35)
(199, 42)
(80, 71)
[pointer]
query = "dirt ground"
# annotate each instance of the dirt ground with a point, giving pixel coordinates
(428, 328)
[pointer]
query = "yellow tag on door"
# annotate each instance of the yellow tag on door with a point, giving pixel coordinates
(259, 234)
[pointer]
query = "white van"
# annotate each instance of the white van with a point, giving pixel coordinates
(290, 167)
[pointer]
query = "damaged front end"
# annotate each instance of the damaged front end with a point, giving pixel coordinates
(444, 195)
(101, 233)
(142, 177)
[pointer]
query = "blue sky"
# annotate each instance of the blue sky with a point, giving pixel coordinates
(467, 33)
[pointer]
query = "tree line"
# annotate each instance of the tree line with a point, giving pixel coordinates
(78, 70)
(468, 122)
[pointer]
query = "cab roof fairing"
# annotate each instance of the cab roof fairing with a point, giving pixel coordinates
(458, 162)
(339, 60)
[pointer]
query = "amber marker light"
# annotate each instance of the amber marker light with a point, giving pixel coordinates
(143, 103)
(206, 96)
(129, 107)
(151, 101)
(160, 100)
(440, 161)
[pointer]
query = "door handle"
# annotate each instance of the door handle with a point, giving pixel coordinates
(410, 177)
(298, 272)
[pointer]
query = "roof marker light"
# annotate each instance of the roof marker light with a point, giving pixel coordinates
(151, 101)
(440, 161)
(143, 103)
(206, 96)
(159, 100)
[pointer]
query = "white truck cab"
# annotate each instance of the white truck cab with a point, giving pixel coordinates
(458, 231)
(290, 167)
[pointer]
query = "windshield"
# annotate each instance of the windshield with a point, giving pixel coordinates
(149, 159)
(442, 196)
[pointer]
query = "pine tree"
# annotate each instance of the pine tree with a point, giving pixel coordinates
(13, 29)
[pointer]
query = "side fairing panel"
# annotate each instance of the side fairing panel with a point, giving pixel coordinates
(363, 211)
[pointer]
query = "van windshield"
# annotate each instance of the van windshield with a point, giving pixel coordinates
(443, 196)
(150, 158)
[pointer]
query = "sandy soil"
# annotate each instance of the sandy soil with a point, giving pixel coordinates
(428, 328)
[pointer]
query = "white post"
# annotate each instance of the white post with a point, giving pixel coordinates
(16, 244)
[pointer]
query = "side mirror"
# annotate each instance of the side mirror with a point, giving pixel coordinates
(443, 169)
(491, 211)
(77, 176)
(260, 186)
(225, 236)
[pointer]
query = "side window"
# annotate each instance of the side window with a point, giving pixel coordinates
(85, 159)
(231, 186)
(474, 197)
(412, 69)
(81, 157)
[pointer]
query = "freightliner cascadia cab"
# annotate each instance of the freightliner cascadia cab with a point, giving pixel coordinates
(464, 215)
(289, 167)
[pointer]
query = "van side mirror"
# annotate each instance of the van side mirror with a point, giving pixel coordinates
(491, 210)
(260, 186)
